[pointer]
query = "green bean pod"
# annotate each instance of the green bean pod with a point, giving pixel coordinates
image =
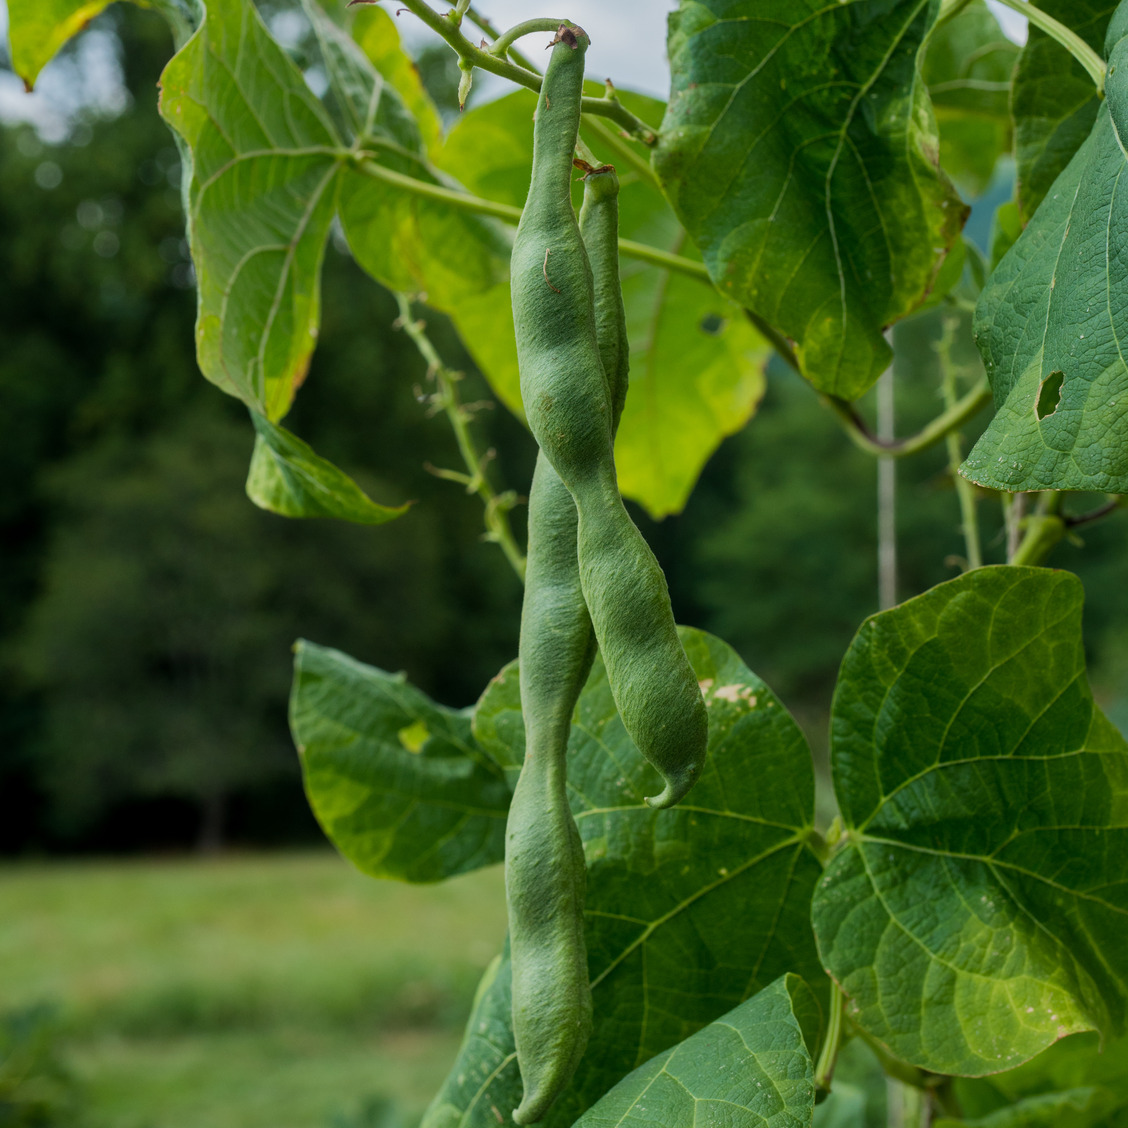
(545, 872)
(568, 405)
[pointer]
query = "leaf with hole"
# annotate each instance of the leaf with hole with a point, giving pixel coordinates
(1049, 322)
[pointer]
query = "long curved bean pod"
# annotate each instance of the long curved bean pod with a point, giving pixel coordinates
(545, 872)
(569, 410)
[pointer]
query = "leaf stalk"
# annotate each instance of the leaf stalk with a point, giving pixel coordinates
(949, 420)
(828, 1052)
(1070, 40)
(965, 491)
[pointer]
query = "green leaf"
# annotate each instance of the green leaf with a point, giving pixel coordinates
(394, 779)
(747, 1069)
(799, 150)
(262, 194)
(696, 363)
(1050, 321)
(269, 170)
(1077, 1108)
(1054, 102)
(377, 35)
(38, 28)
(1073, 1066)
(688, 911)
(405, 241)
(287, 477)
(977, 911)
(968, 68)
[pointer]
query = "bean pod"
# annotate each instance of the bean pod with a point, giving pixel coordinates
(568, 405)
(545, 872)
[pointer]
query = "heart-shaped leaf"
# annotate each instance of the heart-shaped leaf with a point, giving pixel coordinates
(977, 909)
(38, 28)
(1049, 322)
(270, 168)
(800, 152)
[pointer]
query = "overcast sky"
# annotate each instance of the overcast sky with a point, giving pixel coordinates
(628, 46)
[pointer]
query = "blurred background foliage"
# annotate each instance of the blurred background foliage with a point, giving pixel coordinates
(147, 608)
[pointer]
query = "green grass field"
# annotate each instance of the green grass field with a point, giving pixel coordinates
(282, 990)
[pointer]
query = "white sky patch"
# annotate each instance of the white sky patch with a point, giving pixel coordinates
(1013, 23)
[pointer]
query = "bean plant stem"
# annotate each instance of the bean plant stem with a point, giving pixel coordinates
(828, 1054)
(473, 56)
(476, 480)
(625, 154)
(862, 437)
(1071, 41)
(1041, 531)
(500, 46)
(965, 491)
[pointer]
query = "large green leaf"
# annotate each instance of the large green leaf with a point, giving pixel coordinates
(800, 151)
(977, 910)
(1049, 323)
(688, 911)
(38, 28)
(748, 1069)
(696, 363)
(262, 195)
(395, 780)
(968, 69)
(1054, 101)
(287, 477)
(270, 168)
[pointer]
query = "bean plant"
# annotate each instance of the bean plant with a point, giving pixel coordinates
(950, 950)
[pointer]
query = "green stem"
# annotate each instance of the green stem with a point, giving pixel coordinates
(1042, 531)
(465, 202)
(625, 154)
(965, 491)
(476, 480)
(500, 46)
(479, 57)
(1070, 40)
(828, 1054)
(955, 416)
